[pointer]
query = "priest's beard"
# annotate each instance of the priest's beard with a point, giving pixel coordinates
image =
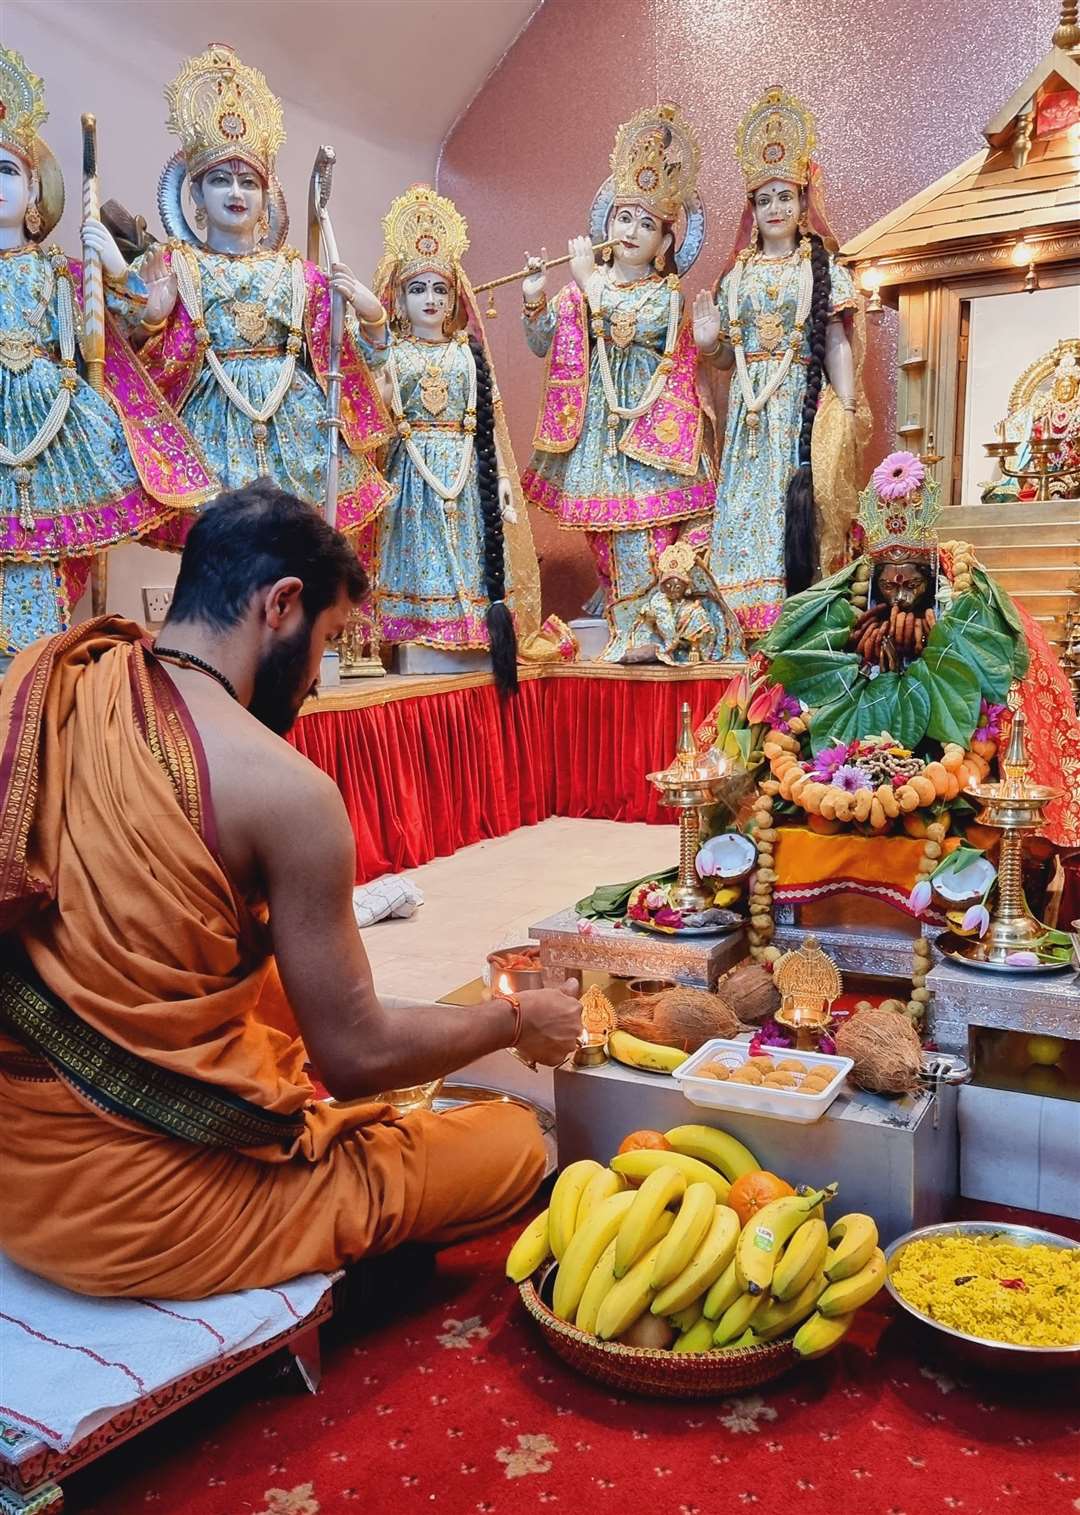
(281, 682)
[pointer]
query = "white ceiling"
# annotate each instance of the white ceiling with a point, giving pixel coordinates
(399, 68)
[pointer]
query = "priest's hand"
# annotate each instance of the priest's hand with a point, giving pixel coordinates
(707, 324)
(97, 238)
(344, 282)
(551, 1024)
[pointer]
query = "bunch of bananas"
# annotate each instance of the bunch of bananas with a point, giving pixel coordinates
(650, 1253)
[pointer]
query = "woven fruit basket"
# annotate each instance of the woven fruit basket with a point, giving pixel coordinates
(665, 1375)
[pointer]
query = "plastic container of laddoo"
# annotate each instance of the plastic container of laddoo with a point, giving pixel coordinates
(716, 1077)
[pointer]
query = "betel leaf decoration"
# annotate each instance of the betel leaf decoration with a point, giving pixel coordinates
(954, 695)
(1003, 605)
(985, 650)
(798, 620)
(816, 676)
(888, 703)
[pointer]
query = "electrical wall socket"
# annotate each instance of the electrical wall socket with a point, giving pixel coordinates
(156, 603)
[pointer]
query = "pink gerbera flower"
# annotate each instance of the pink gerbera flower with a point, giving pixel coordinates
(899, 475)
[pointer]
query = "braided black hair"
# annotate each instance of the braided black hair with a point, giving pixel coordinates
(500, 624)
(800, 545)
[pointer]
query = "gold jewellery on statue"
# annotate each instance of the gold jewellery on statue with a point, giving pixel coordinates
(776, 140)
(423, 232)
(221, 108)
(656, 160)
(22, 113)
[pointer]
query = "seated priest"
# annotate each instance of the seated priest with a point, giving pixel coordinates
(179, 946)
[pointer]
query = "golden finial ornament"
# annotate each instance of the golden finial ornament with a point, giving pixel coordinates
(776, 140)
(808, 982)
(222, 108)
(656, 161)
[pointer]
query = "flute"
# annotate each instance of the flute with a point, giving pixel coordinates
(523, 273)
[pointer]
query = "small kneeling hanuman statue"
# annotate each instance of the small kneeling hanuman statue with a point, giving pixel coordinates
(684, 619)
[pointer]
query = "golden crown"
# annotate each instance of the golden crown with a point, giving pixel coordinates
(220, 108)
(898, 510)
(422, 230)
(22, 105)
(776, 140)
(677, 562)
(656, 160)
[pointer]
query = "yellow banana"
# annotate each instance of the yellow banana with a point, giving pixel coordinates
(635, 1053)
(661, 1189)
(530, 1250)
(705, 1267)
(779, 1316)
(682, 1320)
(697, 1339)
(602, 1277)
(747, 1339)
(584, 1251)
(820, 1334)
(565, 1199)
(853, 1239)
(601, 1186)
(765, 1233)
(852, 1293)
(725, 1291)
(638, 1165)
(628, 1297)
(690, 1229)
(800, 1260)
(736, 1318)
(715, 1147)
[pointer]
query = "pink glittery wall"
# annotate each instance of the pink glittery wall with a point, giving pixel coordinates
(900, 89)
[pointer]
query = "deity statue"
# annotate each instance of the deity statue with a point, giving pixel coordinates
(684, 619)
(1044, 405)
(787, 319)
(243, 347)
(457, 566)
(619, 442)
(79, 471)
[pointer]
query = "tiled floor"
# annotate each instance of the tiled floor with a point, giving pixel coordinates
(487, 896)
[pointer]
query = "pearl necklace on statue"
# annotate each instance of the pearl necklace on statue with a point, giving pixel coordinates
(617, 412)
(756, 403)
(447, 493)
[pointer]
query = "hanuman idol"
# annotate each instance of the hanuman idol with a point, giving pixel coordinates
(80, 471)
(242, 350)
(619, 441)
(786, 318)
(456, 563)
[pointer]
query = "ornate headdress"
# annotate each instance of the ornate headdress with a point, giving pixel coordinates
(776, 140)
(220, 108)
(677, 562)
(655, 163)
(422, 232)
(898, 509)
(22, 114)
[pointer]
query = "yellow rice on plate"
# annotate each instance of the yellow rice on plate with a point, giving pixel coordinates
(989, 1287)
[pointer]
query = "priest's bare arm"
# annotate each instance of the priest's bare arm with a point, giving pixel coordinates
(306, 855)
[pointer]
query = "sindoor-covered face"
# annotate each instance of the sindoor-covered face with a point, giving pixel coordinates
(905, 585)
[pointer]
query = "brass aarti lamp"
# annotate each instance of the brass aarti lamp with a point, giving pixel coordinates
(1013, 806)
(1042, 450)
(808, 982)
(597, 1024)
(694, 780)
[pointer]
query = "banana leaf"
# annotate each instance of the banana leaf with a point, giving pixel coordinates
(608, 902)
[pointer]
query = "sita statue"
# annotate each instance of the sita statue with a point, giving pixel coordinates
(684, 620)
(456, 565)
(79, 470)
(787, 319)
(619, 442)
(243, 347)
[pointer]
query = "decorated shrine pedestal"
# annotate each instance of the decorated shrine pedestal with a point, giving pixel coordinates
(626, 953)
(893, 1158)
(965, 998)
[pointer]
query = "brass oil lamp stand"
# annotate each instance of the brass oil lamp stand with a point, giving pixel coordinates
(1042, 450)
(694, 780)
(1013, 806)
(808, 982)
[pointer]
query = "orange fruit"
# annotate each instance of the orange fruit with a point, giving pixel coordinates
(652, 1140)
(753, 1191)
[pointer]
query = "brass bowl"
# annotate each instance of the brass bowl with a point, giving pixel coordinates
(1002, 1356)
(649, 1371)
(515, 980)
(641, 987)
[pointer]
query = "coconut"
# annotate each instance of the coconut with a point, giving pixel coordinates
(884, 1048)
(960, 887)
(729, 856)
(751, 992)
(679, 1017)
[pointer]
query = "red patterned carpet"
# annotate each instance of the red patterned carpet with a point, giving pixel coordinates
(453, 1404)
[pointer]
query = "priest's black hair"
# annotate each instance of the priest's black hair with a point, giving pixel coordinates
(500, 623)
(800, 543)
